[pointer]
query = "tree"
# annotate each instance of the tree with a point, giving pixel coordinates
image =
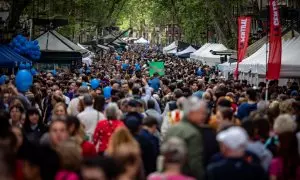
(16, 9)
(194, 17)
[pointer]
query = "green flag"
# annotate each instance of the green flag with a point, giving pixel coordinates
(158, 67)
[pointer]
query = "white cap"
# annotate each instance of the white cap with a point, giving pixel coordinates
(234, 137)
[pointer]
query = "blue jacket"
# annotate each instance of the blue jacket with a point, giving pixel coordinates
(245, 109)
(155, 84)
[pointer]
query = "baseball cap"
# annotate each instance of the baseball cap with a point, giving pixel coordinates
(234, 137)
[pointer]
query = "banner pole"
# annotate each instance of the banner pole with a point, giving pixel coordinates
(267, 46)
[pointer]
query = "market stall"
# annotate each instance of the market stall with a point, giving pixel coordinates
(186, 52)
(204, 54)
(58, 52)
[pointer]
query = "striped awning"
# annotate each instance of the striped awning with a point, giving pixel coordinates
(10, 58)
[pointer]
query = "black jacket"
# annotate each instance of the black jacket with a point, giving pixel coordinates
(34, 135)
(210, 144)
(148, 155)
(235, 169)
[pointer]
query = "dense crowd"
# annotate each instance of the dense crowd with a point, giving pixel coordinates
(188, 124)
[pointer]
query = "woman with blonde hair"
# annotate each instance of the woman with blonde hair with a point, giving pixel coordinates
(120, 136)
(59, 109)
(126, 152)
(286, 107)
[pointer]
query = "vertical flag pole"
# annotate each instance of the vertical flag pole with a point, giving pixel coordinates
(267, 46)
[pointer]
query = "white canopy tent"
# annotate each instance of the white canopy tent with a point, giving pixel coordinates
(171, 48)
(290, 66)
(197, 53)
(141, 41)
(205, 56)
(189, 49)
(227, 67)
(256, 63)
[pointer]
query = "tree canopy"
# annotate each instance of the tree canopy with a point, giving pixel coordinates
(196, 18)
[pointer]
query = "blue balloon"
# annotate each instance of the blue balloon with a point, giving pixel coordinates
(15, 41)
(35, 42)
(22, 41)
(18, 37)
(23, 80)
(107, 92)
(2, 79)
(23, 49)
(95, 83)
(33, 71)
(118, 58)
(22, 66)
(53, 72)
(27, 65)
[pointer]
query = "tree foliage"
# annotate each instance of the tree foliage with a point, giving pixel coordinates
(194, 17)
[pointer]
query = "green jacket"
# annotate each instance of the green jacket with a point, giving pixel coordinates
(192, 136)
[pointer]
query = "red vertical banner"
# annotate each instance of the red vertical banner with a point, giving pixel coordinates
(244, 25)
(275, 43)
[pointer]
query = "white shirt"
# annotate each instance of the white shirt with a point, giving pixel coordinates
(73, 107)
(67, 100)
(89, 118)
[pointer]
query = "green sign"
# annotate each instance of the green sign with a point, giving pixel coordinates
(158, 67)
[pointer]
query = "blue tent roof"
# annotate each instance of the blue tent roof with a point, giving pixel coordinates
(9, 58)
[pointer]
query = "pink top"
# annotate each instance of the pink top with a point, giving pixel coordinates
(159, 176)
(66, 175)
(276, 169)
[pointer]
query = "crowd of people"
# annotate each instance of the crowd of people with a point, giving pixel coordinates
(189, 124)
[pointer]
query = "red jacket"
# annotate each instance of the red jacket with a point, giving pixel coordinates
(88, 149)
(103, 132)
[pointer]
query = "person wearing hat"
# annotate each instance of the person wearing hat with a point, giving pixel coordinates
(73, 106)
(233, 143)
